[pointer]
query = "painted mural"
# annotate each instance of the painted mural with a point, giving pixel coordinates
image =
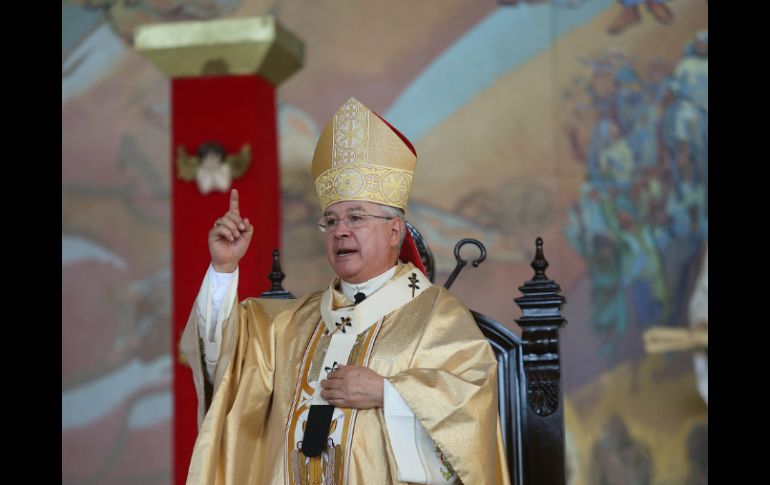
(581, 121)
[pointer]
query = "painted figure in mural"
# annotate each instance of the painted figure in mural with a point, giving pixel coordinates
(595, 242)
(686, 117)
(641, 271)
(624, 136)
(644, 194)
(602, 89)
(629, 15)
(685, 137)
(382, 377)
(617, 459)
(624, 140)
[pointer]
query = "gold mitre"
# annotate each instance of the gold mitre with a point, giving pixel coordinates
(361, 157)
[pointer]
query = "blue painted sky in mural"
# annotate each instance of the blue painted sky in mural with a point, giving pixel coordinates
(506, 39)
(76, 23)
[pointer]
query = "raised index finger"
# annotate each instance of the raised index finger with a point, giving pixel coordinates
(234, 201)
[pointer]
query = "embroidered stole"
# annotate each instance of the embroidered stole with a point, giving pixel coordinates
(343, 336)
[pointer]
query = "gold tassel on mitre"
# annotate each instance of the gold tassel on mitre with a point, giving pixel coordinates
(361, 157)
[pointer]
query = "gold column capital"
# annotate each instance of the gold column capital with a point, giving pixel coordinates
(245, 45)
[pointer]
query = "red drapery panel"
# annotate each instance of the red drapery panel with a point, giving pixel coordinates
(233, 110)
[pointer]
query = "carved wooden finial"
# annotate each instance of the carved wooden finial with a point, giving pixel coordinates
(540, 322)
(276, 276)
(539, 264)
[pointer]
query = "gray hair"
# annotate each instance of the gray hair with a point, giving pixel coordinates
(395, 213)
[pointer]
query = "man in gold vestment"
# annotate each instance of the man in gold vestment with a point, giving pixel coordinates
(381, 378)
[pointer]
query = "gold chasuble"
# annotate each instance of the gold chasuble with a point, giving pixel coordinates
(275, 352)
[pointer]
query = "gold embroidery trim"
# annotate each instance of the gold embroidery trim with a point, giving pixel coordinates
(372, 183)
(332, 462)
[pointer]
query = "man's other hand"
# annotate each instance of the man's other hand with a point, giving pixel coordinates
(351, 386)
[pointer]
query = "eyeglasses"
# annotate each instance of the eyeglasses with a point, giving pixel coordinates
(353, 220)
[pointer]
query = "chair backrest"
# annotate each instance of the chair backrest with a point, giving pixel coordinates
(530, 396)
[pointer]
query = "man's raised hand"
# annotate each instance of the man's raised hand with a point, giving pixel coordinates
(229, 238)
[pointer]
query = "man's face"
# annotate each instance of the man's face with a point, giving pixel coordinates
(359, 254)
